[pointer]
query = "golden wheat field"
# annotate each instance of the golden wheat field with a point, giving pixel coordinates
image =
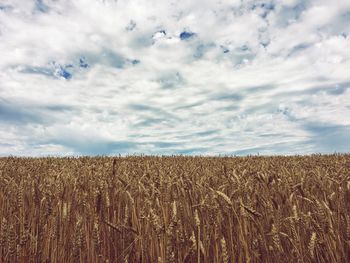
(175, 209)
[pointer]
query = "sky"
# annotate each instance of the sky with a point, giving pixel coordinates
(192, 77)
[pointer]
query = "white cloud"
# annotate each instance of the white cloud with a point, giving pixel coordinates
(93, 77)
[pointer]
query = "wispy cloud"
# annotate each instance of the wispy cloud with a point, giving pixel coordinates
(174, 77)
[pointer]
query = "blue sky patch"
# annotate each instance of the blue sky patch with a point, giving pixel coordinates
(41, 6)
(65, 74)
(185, 35)
(135, 61)
(224, 49)
(60, 71)
(83, 63)
(53, 70)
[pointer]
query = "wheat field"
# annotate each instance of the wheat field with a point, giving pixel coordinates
(175, 209)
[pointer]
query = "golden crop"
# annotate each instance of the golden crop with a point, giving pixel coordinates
(175, 209)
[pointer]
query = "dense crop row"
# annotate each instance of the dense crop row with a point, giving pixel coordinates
(175, 209)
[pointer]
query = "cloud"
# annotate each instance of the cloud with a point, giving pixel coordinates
(164, 77)
(329, 138)
(10, 113)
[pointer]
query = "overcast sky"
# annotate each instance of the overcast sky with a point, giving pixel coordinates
(92, 77)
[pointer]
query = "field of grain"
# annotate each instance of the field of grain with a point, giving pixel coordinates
(175, 209)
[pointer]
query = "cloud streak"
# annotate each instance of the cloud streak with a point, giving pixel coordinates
(174, 77)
